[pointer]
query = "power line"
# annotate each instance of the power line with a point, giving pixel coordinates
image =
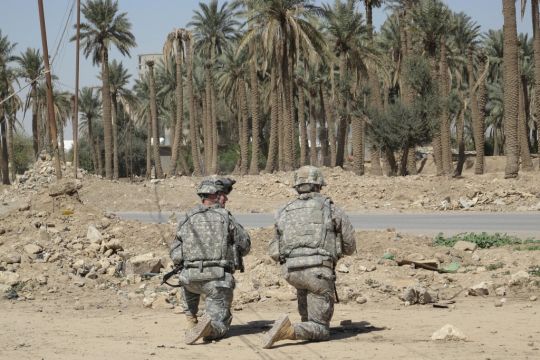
(24, 87)
(63, 32)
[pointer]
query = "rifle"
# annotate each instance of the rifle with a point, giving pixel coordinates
(170, 274)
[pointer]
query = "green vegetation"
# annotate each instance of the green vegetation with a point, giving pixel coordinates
(534, 270)
(483, 240)
(495, 266)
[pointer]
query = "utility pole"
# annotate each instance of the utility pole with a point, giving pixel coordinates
(75, 120)
(50, 108)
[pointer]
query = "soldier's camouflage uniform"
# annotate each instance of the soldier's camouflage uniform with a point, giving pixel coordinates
(315, 284)
(217, 282)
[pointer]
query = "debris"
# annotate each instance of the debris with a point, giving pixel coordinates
(448, 333)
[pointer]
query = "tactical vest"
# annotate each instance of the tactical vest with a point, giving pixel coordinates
(205, 237)
(307, 229)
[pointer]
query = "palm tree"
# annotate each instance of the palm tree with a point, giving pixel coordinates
(285, 32)
(31, 68)
(232, 84)
(143, 115)
(511, 89)
(536, 45)
(174, 46)
(118, 81)
(90, 109)
(154, 116)
(213, 28)
(344, 25)
(6, 50)
(105, 27)
(188, 39)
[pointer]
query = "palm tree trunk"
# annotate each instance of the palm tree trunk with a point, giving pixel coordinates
(149, 147)
(476, 115)
(255, 118)
(511, 89)
(287, 112)
(281, 130)
(244, 135)
(314, 159)
(192, 118)
(99, 157)
(4, 152)
(35, 128)
(357, 145)
(302, 124)
(179, 92)
(155, 125)
(107, 121)
(460, 129)
(92, 145)
(215, 138)
(114, 118)
(274, 119)
(536, 46)
(61, 141)
(329, 111)
(343, 122)
(205, 133)
(445, 118)
(11, 147)
(525, 154)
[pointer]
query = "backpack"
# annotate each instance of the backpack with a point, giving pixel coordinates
(307, 229)
(205, 235)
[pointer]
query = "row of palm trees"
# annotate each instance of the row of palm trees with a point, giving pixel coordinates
(287, 83)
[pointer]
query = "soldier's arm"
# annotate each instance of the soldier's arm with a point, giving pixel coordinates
(273, 247)
(176, 244)
(345, 228)
(241, 237)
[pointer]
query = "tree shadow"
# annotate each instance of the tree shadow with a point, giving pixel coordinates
(251, 327)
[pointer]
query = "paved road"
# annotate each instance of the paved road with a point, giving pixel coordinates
(520, 224)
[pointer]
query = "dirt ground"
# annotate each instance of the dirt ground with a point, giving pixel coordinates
(70, 287)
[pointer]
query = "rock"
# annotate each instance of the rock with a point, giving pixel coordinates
(114, 244)
(41, 279)
(342, 268)
(78, 306)
(93, 235)
(500, 291)
(498, 303)
(147, 302)
(361, 300)
(475, 257)
(5, 290)
(465, 246)
(146, 263)
(64, 187)
(32, 249)
(417, 295)
(448, 333)
(467, 203)
(12, 258)
(479, 289)
(9, 278)
(162, 302)
(519, 278)
(533, 298)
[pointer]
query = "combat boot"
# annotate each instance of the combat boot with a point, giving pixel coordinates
(191, 321)
(201, 329)
(282, 330)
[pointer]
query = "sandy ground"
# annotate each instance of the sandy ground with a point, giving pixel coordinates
(73, 297)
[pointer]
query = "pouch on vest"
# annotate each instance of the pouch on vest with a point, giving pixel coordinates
(204, 274)
(306, 262)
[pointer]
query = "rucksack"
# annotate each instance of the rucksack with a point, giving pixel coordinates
(307, 229)
(205, 235)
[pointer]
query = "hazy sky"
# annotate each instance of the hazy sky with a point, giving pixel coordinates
(151, 21)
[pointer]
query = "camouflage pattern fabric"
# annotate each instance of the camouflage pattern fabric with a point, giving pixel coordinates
(315, 284)
(309, 175)
(315, 294)
(219, 296)
(218, 292)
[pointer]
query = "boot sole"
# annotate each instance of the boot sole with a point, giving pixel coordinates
(198, 331)
(271, 336)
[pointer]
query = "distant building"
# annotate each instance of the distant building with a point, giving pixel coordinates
(143, 58)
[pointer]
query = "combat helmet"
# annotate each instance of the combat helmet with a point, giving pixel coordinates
(213, 185)
(308, 175)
